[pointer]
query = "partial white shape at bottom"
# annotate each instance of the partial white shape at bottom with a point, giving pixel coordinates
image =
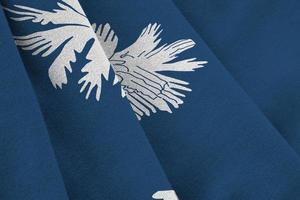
(165, 195)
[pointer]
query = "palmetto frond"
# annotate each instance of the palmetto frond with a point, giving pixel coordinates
(97, 68)
(107, 38)
(137, 68)
(69, 12)
(73, 34)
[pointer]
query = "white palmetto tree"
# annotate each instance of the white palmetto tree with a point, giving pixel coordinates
(137, 67)
(73, 32)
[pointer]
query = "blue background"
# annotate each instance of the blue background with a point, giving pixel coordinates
(218, 144)
(101, 149)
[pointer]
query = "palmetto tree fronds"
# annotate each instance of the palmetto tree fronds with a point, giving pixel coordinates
(137, 68)
(73, 34)
(69, 12)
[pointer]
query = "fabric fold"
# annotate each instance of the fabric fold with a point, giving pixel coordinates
(101, 149)
(28, 166)
(214, 144)
(261, 57)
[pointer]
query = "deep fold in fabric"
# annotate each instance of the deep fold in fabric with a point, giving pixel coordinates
(219, 131)
(210, 140)
(28, 166)
(257, 41)
(101, 149)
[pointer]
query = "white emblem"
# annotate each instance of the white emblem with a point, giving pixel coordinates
(73, 34)
(165, 195)
(137, 67)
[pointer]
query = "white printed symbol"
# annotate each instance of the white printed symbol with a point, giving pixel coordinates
(165, 195)
(138, 68)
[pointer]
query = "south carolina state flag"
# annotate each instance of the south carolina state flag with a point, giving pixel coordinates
(123, 100)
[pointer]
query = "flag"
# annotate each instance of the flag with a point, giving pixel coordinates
(133, 104)
(101, 150)
(267, 62)
(28, 165)
(212, 140)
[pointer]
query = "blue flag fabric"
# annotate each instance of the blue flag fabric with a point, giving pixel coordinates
(100, 147)
(28, 167)
(217, 145)
(131, 104)
(257, 41)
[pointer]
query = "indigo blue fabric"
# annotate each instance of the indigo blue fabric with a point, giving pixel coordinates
(257, 41)
(28, 167)
(218, 144)
(206, 139)
(101, 149)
